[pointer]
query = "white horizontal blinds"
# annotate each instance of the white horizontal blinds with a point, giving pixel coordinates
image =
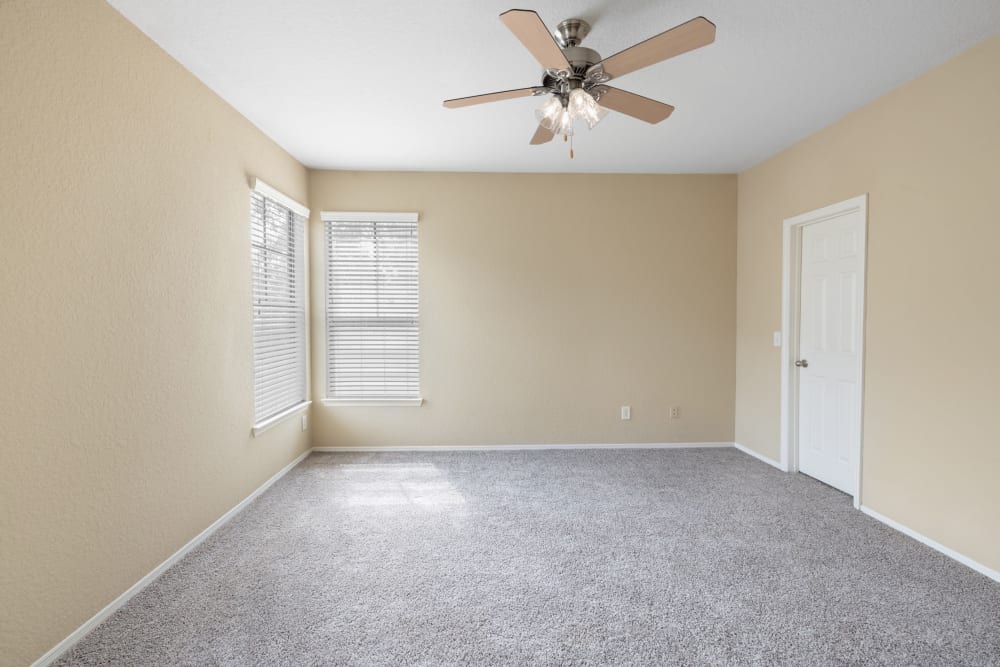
(277, 241)
(373, 326)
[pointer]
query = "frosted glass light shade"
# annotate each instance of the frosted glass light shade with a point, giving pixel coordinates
(564, 125)
(552, 116)
(582, 105)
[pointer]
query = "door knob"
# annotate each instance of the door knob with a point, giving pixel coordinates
(802, 363)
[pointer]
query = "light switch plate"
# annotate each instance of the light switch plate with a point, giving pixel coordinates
(777, 339)
(626, 412)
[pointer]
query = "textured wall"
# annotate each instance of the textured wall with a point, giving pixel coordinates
(928, 155)
(547, 302)
(126, 400)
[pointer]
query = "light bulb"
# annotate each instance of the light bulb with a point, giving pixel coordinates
(564, 124)
(554, 117)
(583, 106)
(548, 116)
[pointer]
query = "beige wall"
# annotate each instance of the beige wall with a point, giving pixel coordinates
(929, 155)
(548, 301)
(126, 398)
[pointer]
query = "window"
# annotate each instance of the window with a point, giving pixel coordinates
(372, 309)
(277, 247)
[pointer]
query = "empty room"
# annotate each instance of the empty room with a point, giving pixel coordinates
(462, 333)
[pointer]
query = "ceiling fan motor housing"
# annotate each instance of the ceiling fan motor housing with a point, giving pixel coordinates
(581, 58)
(569, 35)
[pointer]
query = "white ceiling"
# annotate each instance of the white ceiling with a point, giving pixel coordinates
(358, 84)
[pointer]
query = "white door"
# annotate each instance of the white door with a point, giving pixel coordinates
(831, 300)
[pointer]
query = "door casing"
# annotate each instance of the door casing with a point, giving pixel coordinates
(790, 316)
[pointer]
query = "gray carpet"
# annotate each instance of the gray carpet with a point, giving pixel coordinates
(585, 557)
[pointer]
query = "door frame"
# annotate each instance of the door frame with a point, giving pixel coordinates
(790, 325)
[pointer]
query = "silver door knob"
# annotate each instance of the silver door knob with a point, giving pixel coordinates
(802, 363)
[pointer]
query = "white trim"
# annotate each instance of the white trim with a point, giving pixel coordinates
(373, 402)
(59, 649)
(791, 256)
(277, 195)
(757, 455)
(367, 216)
(260, 427)
(495, 448)
(66, 644)
(950, 553)
(56, 651)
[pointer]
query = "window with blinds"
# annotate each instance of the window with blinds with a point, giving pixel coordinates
(372, 307)
(277, 247)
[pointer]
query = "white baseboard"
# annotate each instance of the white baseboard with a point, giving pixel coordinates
(769, 461)
(56, 651)
(950, 553)
(494, 448)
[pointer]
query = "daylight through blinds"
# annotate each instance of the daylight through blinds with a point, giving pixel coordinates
(277, 240)
(373, 326)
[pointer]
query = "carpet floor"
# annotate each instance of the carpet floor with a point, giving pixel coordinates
(559, 557)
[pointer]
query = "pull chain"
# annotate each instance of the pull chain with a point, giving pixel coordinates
(569, 138)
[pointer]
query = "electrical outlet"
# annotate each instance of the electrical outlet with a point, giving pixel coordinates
(626, 412)
(305, 422)
(675, 412)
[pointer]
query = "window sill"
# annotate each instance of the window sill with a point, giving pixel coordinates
(373, 402)
(260, 427)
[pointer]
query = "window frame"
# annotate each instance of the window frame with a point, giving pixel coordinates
(328, 217)
(298, 222)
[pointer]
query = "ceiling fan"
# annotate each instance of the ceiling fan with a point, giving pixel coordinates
(576, 76)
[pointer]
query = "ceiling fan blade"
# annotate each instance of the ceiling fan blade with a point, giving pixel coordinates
(542, 136)
(683, 38)
(528, 27)
(490, 97)
(634, 105)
